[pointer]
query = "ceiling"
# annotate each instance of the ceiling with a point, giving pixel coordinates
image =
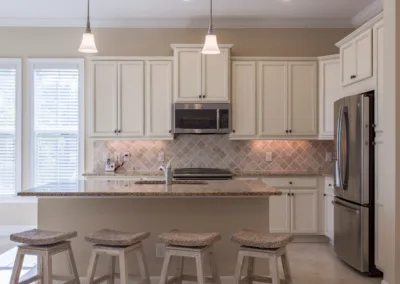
(184, 13)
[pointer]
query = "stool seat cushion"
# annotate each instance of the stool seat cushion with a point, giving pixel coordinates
(107, 237)
(177, 238)
(261, 240)
(37, 237)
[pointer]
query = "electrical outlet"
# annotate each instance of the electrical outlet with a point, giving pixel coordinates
(117, 158)
(161, 156)
(160, 250)
(328, 156)
(126, 157)
(268, 156)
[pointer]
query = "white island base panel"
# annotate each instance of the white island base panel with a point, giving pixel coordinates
(85, 215)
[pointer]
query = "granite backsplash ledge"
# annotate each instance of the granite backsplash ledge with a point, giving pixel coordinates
(217, 151)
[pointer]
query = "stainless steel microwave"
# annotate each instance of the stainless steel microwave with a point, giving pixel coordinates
(209, 118)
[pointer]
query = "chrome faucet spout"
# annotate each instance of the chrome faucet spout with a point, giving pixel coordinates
(167, 172)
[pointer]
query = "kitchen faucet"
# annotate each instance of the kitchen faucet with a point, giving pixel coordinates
(167, 172)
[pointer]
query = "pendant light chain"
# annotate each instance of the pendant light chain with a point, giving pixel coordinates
(210, 27)
(88, 30)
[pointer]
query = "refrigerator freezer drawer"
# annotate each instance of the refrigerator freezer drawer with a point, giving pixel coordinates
(352, 234)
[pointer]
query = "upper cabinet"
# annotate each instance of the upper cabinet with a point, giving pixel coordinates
(122, 90)
(199, 77)
(330, 91)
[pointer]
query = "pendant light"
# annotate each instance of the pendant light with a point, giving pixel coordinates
(211, 44)
(88, 45)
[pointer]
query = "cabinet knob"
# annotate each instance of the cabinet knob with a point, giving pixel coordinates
(288, 194)
(170, 131)
(324, 194)
(290, 182)
(287, 131)
(115, 131)
(234, 131)
(204, 96)
(199, 96)
(290, 131)
(353, 76)
(119, 131)
(292, 194)
(330, 184)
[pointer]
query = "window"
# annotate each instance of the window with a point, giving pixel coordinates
(10, 126)
(57, 100)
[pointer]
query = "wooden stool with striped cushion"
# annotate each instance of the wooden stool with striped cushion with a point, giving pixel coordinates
(117, 244)
(44, 244)
(262, 245)
(194, 245)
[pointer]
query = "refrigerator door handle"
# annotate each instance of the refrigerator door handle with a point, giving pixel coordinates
(339, 180)
(347, 208)
(345, 123)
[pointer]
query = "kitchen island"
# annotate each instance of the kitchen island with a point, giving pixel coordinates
(217, 206)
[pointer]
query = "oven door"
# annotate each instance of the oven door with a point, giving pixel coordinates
(201, 118)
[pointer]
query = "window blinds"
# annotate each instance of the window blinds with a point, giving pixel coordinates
(56, 124)
(7, 130)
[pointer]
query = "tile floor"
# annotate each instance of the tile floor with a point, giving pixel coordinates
(311, 264)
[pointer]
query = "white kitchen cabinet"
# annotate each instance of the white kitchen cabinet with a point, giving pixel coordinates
(130, 99)
(273, 99)
(279, 212)
(158, 99)
(379, 73)
(304, 211)
(244, 113)
(329, 209)
(104, 100)
(329, 91)
(199, 77)
(356, 58)
(302, 98)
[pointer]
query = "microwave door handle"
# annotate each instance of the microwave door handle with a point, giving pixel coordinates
(339, 148)
(218, 119)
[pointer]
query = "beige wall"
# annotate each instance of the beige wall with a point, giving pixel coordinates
(63, 42)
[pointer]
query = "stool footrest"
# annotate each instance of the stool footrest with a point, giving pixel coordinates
(31, 279)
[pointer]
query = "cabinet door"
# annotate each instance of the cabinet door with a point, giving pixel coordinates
(131, 99)
(104, 121)
(329, 216)
(159, 99)
(348, 63)
(303, 98)
(215, 74)
(378, 72)
(244, 99)
(330, 90)
(304, 211)
(279, 213)
(363, 49)
(187, 74)
(273, 98)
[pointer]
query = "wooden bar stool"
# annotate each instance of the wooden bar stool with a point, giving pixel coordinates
(43, 244)
(262, 245)
(117, 245)
(194, 245)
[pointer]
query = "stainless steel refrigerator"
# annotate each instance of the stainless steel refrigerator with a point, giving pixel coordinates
(354, 182)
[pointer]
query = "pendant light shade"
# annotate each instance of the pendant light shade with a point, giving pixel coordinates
(88, 44)
(211, 44)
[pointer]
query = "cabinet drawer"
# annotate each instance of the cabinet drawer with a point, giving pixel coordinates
(292, 182)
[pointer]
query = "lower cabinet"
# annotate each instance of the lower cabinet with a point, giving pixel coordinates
(328, 209)
(295, 211)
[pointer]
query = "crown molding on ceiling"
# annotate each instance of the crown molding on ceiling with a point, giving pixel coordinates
(229, 23)
(368, 13)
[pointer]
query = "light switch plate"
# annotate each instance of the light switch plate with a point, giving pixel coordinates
(328, 156)
(161, 156)
(268, 156)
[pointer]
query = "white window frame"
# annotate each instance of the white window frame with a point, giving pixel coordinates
(17, 62)
(56, 62)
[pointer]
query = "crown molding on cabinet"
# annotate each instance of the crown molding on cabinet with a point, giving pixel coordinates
(185, 45)
(228, 23)
(129, 58)
(368, 13)
(266, 58)
(329, 57)
(360, 30)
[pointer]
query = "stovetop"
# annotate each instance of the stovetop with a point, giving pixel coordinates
(202, 173)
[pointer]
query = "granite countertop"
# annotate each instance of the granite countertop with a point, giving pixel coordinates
(275, 173)
(125, 188)
(123, 173)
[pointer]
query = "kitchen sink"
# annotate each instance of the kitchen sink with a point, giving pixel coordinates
(173, 182)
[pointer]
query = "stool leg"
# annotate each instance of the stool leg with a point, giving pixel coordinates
(40, 269)
(214, 268)
(47, 269)
(19, 259)
(179, 269)
(273, 264)
(200, 269)
(144, 272)
(286, 268)
(164, 271)
(238, 269)
(92, 267)
(250, 269)
(72, 264)
(112, 270)
(123, 268)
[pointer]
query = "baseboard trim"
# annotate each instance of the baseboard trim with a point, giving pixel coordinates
(383, 282)
(156, 280)
(310, 239)
(8, 230)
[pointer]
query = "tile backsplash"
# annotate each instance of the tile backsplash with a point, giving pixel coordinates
(219, 152)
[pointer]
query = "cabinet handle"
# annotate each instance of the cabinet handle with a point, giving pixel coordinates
(115, 131)
(353, 76)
